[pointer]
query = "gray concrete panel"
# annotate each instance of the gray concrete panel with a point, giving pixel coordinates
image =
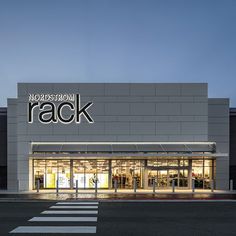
(218, 131)
(194, 109)
(168, 128)
(117, 128)
(168, 109)
(142, 89)
(95, 89)
(95, 128)
(121, 112)
(194, 128)
(168, 89)
(193, 89)
(117, 109)
(143, 109)
(140, 128)
(117, 90)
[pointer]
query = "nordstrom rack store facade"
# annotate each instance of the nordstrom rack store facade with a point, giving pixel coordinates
(117, 132)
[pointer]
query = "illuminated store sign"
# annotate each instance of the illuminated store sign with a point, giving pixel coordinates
(54, 108)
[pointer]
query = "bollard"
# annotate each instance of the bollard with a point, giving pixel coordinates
(96, 187)
(173, 185)
(38, 184)
(193, 185)
(115, 185)
(231, 185)
(57, 187)
(76, 187)
(135, 185)
(212, 185)
(154, 185)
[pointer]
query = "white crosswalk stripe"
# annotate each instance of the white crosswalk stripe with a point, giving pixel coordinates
(71, 208)
(74, 207)
(81, 212)
(55, 229)
(64, 219)
(77, 203)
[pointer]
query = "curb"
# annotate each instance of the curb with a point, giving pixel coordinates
(113, 200)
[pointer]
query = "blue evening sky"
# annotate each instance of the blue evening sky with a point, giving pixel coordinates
(118, 41)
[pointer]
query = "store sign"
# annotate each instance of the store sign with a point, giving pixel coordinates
(54, 108)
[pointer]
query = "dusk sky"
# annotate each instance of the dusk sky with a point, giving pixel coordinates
(118, 41)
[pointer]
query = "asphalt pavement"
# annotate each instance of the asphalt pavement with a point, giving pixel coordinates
(118, 218)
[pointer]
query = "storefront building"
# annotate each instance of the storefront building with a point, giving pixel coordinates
(129, 133)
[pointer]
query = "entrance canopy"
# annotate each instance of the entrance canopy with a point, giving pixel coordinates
(140, 149)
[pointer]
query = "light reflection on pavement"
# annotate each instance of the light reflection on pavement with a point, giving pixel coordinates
(103, 196)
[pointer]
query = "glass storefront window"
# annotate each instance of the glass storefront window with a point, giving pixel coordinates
(167, 171)
(183, 178)
(63, 172)
(202, 172)
(47, 172)
(39, 172)
(183, 173)
(51, 174)
(152, 175)
(86, 171)
(183, 162)
(161, 162)
(157, 163)
(207, 162)
(152, 163)
(162, 178)
(173, 176)
(172, 162)
(79, 173)
(197, 172)
(103, 173)
(197, 163)
(126, 171)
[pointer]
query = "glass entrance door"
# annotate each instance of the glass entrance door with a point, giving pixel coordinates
(125, 172)
(85, 171)
(173, 176)
(183, 178)
(152, 176)
(165, 177)
(162, 178)
(63, 172)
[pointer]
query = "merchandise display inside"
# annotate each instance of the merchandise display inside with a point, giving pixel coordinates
(145, 172)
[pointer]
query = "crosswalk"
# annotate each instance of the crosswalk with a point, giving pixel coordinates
(74, 207)
(66, 213)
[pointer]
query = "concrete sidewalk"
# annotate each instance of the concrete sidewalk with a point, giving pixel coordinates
(110, 195)
(121, 191)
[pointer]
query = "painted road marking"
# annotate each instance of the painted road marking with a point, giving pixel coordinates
(77, 203)
(55, 229)
(63, 229)
(70, 212)
(74, 207)
(64, 219)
